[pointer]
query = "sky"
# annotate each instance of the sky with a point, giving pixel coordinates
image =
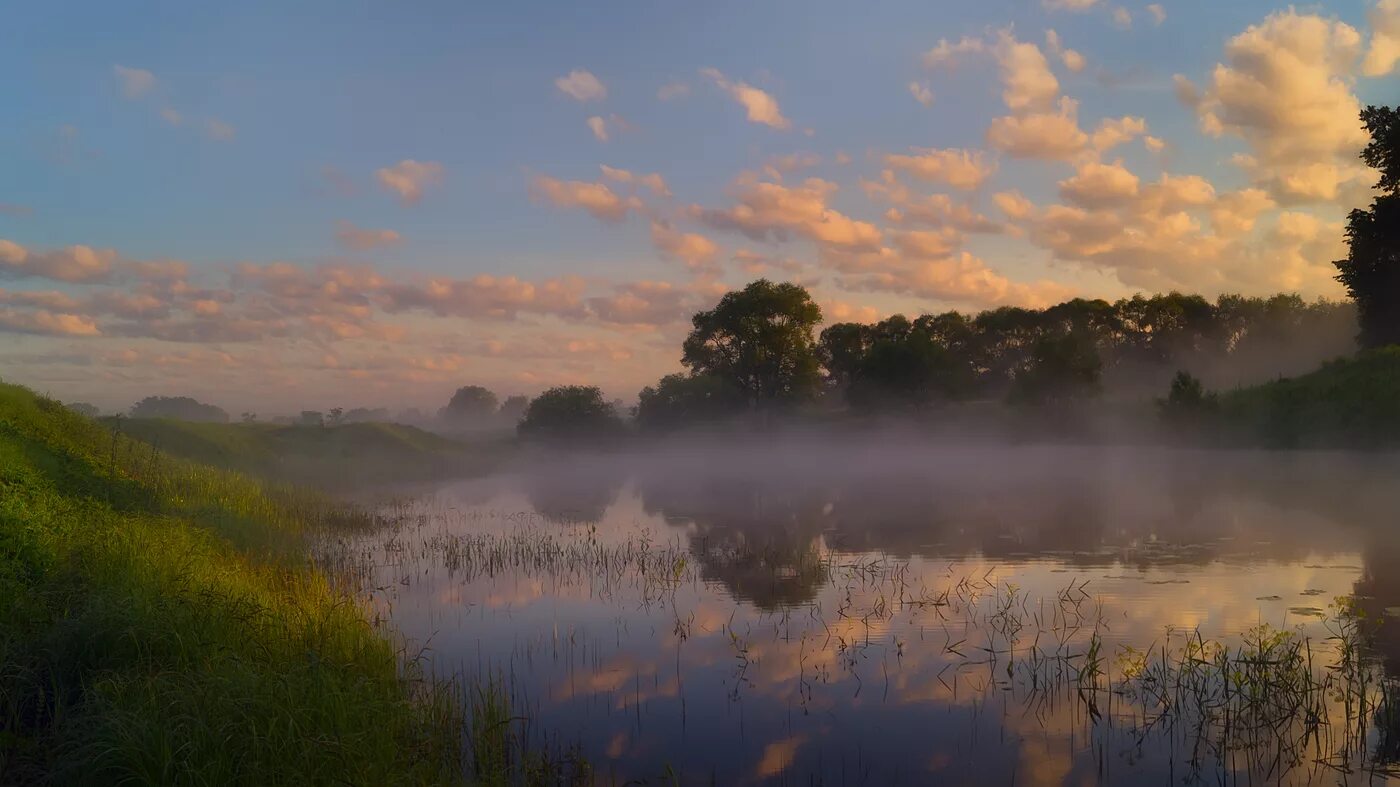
(279, 206)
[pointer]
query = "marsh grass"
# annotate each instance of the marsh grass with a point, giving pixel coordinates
(161, 626)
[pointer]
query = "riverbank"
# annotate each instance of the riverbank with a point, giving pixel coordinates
(166, 627)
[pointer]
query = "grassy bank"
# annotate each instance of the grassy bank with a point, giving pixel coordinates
(1348, 403)
(349, 454)
(159, 626)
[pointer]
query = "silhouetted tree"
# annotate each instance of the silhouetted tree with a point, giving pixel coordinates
(679, 400)
(513, 409)
(1061, 368)
(906, 367)
(1187, 402)
(759, 339)
(363, 415)
(569, 413)
(181, 408)
(1371, 271)
(471, 404)
(337, 416)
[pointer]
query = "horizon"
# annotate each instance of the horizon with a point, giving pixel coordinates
(265, 216)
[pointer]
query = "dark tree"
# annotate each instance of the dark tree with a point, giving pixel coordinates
(1371, 271)
(678, 401)
(907, 367)
(1187, 401)
(471, 404)
(570, 413)
(364, 415)
(83, 408)
(180, 408)
(1061, 368)
(336, 416)
(513, 409)
(759, 340)
(840, 350)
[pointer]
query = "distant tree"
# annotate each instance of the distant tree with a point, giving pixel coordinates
(249, 418)
(1060, 368)
(569, 413)
(840, 349)
(906, 367)
(83, 408)
(513, 409)
(311, 418)
(1371, 271)
(180, 408)
(759, 339)
(364, 415)
(679, 400)
(336, 417)
(470, 405)
(412, 416)
(1187, 400)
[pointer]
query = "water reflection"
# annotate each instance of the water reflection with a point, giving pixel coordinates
(882, 618)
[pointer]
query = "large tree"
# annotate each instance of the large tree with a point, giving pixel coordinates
(678, 401)
(570, 413)
(1371, 271)
(759, 339)
(471, 404)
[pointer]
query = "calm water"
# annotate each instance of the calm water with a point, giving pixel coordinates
(912, 616)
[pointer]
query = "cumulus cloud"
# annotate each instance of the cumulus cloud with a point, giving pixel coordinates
(696, 251)
(1285, 89)
(1122, 18)
(673, 90)
(961, 169)
(219, 130)
(1157, 12)
(1027, 81)
(1097, 185)
(945, 54)
(652, 181)
(773, 211)
(582, 86)
(1014, 204)
(73, 264)
(135, 82)
(1117, 131)
(1072, 60)
(1040, 135)
(599, 127)
(934, 210)
(1384, 51)
(759, 105)
(410, 179)
(921, 92)
(362, 239)
(596, 198)
(1069, 5)
(46, 323)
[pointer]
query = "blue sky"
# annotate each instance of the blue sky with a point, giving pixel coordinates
(304, 89)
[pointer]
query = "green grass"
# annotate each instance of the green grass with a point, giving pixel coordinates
(160, 627)
(1348, 403)
(346, 455)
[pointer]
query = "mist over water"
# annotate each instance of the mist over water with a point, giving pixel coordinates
(886, 611)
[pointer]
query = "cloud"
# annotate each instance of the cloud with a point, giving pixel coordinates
(961, 169)
(361, 239)
(946, 54)
(672, 90)
(934, 210)
(219, 130)
(653, 303)
(1122, 18)
(1072, 60)
(1235, 213)
(1040, 135)
(759, 105)
(1026, 79)
(1068, 5)
(1384, 51)
(1285, 89)
(599, 127)
(774, 211)
(1014, 204)
(652, 181)
(921, 93)
(1097, 185)
(15, 209)
(135, 82)
(596, 198)
(46, 323)
(1154, 144)
(410, 179)
(1113, 132)
(172, 116)
(73, 264)
(1157, 12)
(582, 86)
(696, 251)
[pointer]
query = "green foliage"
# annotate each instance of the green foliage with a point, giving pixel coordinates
(905, 366)
(181, 408)
(160, 628)
(513, 409)
(569, 414)
(1061, 368)
(1349, 402)
(347, 455)
(1371, 271)
(678, 401)
(1188, 403)
(759, 339)
(470, 405)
